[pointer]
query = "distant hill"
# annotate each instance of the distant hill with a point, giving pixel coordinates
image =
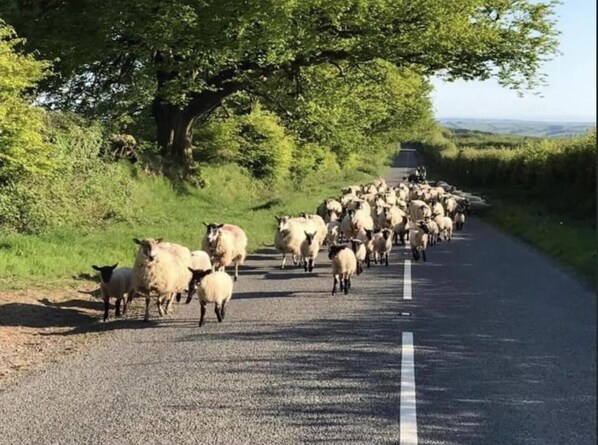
(519, 127)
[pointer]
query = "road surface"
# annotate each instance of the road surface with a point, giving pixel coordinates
(496, 346)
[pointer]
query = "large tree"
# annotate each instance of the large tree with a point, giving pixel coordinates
(182, 58)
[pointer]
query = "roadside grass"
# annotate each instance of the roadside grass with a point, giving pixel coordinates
(531, 218)
(64, 256)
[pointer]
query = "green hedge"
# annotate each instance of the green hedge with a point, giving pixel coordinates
(562, 171)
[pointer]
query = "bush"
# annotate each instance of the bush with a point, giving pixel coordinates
(81, 190)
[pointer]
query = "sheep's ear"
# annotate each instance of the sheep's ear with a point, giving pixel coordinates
(136, 241)
(159, 240)
(277, 218)
(96, 268)
(113, 266)
(219, 226)
(191, 270)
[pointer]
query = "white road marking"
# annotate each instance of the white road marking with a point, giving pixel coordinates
(407, 281)
(408, 419)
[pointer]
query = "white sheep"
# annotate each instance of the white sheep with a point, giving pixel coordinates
(310, 247)
(445, 226)
(419, 210)
(160, 269)
(344, 265)
(314, 223)
(401, 230)
(211, 287)
(382, 245)
(226, 244)
(360, 251)
(418, 240)
(288, 238)
(115, 283)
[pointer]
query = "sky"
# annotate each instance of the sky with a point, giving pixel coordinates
(571, 91)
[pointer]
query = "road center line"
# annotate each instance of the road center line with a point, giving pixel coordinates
(407, 281)
(408, 416)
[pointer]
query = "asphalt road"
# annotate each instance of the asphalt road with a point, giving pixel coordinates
(504, 353)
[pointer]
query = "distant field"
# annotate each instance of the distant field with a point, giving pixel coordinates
(517, 127)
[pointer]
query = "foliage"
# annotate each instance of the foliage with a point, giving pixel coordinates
(561, 172)
(117, 63)
(81, 190)
(23, 148)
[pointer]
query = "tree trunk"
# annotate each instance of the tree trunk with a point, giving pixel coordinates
(174, 127)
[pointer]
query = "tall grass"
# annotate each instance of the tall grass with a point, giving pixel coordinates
(59, 255)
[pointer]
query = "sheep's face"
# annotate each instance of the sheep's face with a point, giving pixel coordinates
(212, 232)
(369, 234)
(355, 243)
(105, 272)
(149, 246)
(283, 223)
(310, 237)
(386, 233)
(196, 276)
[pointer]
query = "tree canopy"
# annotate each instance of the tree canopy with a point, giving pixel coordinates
(311, 60)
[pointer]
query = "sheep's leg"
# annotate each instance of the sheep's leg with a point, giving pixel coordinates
(125, 304)
(222, 311)
(147, 304)
(367, 259)
(347, 285)
(160, 310)
(117, 307)
(284, 258)
(218, 314)
(178, 297)
(202, 314)
(402, 237)
(236, 270)
(106, 306)
(424, 254)
(130, 297)
(359, 268)
(305, 266)
(311, 264)
(396, 239)
(295, 261)
(341, 283)
(169, 303)
(334, 285)
(415, 253)
(386, 258)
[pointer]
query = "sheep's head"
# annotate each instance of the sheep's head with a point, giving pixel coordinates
(105, 272)
(369, 234)
(212, 231)
(334, 250)
(149, 246)
(196, 276)
(386, 233)
(310, 237)
(283, 223)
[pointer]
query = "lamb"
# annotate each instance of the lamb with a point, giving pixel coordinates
(315, 223)
(360, 251)
(200, 260)
(344, 265)
(367, 238)
(160, 269)
(115, 283)
(418, 240)
(361, 219)
(459, 219)
(227, 244)
(382, 245)
(445, 226)
(288, 238)
(310, 247)
(400, 229)
(434, 234)
(334, 232)
(437, 208)
(211, 287)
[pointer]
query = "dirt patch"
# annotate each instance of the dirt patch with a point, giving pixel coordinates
(40, 327)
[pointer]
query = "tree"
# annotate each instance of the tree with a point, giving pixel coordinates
(182, 58)
(23, 148)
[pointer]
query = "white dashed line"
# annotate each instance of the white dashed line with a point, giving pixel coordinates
(407, 281)
(408, 419)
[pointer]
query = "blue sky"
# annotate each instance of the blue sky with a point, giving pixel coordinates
(571, 91)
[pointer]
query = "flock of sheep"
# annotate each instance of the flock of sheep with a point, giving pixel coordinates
(367, 219)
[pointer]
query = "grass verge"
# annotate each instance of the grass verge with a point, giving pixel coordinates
(64, 255)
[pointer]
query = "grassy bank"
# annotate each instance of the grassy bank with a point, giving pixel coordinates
(59, 256)
(541, 191)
